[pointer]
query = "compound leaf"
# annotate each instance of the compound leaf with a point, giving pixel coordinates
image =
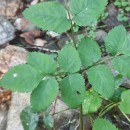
(102, 124)
(44, 64)
(125, 102)
(102, 80)
(44, 94)
(50, 16)
(122, 64)
(21, 78)
(29, 119)
(116, 41)
(91, 102)
(72, 90)
(68, 59)
(89, 51)
(86, 12)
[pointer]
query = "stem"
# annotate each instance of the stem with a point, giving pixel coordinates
(60, 111)
(81, 118)
(72, 30)
(125, 116)
(108, 109)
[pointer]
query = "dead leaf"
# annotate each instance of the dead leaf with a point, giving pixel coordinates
(30, 36)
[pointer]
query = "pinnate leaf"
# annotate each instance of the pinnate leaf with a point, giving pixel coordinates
(91, 102)
(50, 16)
(43, 63)
(44, 94)
(116, 41)
(89, 51)
(102, 80)
(102, 124)
(72, 90)
(68, 59)
(21, 78)
(125, 102)
(29, 119)
(86, 12)
(122, 64)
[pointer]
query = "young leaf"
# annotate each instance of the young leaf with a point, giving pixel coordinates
(102, 124)
(122, 64)
(44, 64)
(21, 78)
(91, 102)
(50, 16)
(72, 90)
(29, 119)
(86, 12)
(68, 59)
(44, 94)
(89, 51)
(116, 41)
(125, 102)
(102, 80)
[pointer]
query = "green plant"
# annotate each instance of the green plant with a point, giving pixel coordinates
(76, 65)
(124, 9)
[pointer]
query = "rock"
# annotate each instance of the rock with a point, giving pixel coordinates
(6, 31)
(3, 117)
(100, 36)
(40, 42)
(18, 103)
(23, 25)
(111, 20)
(10, 8)
(67, 119)
(11, 56)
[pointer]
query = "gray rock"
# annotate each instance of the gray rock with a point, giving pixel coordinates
(3, 117)
(18, 103)
(66, 120)
(100, 36)
(6, 31)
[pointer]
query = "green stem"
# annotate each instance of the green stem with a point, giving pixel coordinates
(72, 30)
(125, 116)
(108, 109)
(81, 118)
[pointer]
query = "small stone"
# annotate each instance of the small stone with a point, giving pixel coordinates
(23, 25)
(6, 31)
(100, 36)
(39, 42)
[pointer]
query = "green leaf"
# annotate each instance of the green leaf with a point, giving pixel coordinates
(122, 64)
(89, 51)
(68, 59)
(50, 16)
(48, 121)
(29, 119)
(86, 12)
(91, 102)
(117, 94)
(72, 90)
(125, 102)
(102, 80)
(119, 79)
(116, 41)
(102, 124)
(44, 64)
(21, 78)
(44, 94)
